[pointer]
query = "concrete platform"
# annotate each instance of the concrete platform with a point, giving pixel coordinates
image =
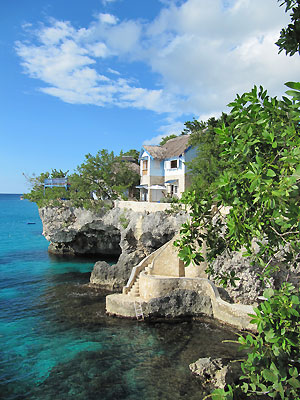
(236, 315)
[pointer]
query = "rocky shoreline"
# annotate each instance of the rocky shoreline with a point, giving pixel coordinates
(123, 233)
(130, 236)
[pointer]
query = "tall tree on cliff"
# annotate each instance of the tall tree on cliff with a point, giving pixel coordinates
(37, 192)
(105, 175)
(290, 36)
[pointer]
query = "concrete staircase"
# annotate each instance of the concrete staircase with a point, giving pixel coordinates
(132, 287)
(135, 289)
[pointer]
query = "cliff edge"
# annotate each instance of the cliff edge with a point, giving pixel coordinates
(119, 232)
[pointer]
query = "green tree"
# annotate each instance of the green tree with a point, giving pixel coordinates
(259, 182)
(166, 138)
(259, 187)
(104, 174)
(208, 163)
(132, 153)
(40, 195)
(289, 39)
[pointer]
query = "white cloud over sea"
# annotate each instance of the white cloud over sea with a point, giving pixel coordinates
(198, 54)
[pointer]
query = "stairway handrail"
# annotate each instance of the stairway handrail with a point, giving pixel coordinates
(141, 266)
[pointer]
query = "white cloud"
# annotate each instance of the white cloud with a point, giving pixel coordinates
(64, 59)
(201, 52)
(113, 71)
(154, 141)
(108, 19)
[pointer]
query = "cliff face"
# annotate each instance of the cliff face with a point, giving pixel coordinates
(127, 234)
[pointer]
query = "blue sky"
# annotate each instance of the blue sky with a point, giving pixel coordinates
(77, 76)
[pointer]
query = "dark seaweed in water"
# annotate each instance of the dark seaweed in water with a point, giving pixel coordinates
(136, 360)
(56, 341)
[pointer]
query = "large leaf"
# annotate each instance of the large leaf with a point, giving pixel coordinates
(293, 85)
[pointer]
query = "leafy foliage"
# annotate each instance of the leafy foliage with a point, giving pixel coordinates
(273, 363)
(131, 153)
(103, 176)
(272, 367)
(256, 199)
(258, 185)
(37, 193)
(166, 138)
(290, 36)
(208, 164)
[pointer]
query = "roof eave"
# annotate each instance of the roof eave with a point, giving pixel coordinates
(142, 151)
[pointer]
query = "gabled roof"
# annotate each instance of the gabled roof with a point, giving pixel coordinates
(172, 148)
(155, 151)
(177, 146)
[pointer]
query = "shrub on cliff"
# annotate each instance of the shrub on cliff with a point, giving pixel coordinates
(260, 189)
(43, 196)
(104, 176)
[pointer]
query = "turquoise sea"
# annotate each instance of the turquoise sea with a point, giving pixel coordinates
(56, 341)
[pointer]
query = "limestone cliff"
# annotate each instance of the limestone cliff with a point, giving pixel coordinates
(120, 232)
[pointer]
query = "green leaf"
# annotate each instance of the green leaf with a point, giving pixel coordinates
(293, 85)
(271, 173)
(293, 93)
(249, 175)
(268, 293)
(294, 382)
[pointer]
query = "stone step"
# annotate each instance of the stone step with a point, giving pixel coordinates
(135, 289)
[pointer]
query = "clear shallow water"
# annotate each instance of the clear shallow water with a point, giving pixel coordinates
(56, 341)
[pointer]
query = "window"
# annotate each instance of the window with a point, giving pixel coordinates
(174, 190)
(145, 167)
(174, 163)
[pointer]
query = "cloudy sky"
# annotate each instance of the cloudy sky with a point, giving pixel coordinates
(81, 76)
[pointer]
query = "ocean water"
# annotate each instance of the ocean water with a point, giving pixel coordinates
(56, 341)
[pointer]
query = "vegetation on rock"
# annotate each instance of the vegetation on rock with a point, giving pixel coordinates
(104, 176)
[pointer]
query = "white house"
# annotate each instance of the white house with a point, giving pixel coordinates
(163, 169)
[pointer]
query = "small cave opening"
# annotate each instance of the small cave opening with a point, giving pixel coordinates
(98, 242)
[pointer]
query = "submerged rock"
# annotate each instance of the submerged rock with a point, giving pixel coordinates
(215, 373)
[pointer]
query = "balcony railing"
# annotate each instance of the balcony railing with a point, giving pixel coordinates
(53, 182)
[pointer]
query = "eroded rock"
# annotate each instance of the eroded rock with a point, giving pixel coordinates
(215, 373)
(249, 286)
(123, 233)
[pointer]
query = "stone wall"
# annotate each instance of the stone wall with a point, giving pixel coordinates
(144, 206)
(162, 296)
(167, 263)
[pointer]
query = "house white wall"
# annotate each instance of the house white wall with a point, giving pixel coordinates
(159, 172)
(175, 174)
(153, 176)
